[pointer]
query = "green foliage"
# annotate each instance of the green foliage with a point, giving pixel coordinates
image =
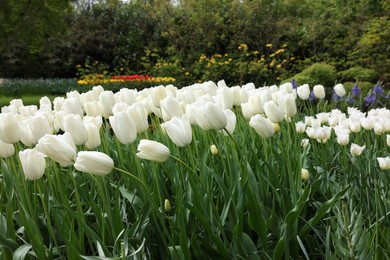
(318, 73)
(358, 74)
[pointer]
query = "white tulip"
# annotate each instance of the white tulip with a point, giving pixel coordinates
(153, 151)
(303, 92)
(106, 103)
(384, 162)
(262, 126)
(93, 162)
(210, 116)
(231, 121)
(339, 89)
(10, 131)
(179, 130)
(33, 164)
(73, 124)
(6, 150)
(356, 150)
(59, 148)
(319, 91)
(140, 116)
(124, 127)
(273, 112)
(343, 139)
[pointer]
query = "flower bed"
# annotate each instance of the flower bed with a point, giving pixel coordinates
(198, 172)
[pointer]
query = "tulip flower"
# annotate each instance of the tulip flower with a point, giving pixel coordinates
(167, 205)
(288, 105)
(33, 164)
(124, 127)
(157, 94)
(339, 90)
(6, 150)
(92, 108)
(388, 140)
(304, 174)
(231, 121)
(93, 135)
(305, 142)
(303, 92)
(214, 149)
(384, 162)
(170, 107)
(343, 139)
(106, 103)
(273, 112)
(59, 148)
(210, 116)
(93, 162)
(152, 151)
(356, 150)
(179, 131)
(73, 106)
(74, 125)
(10, 131)
(140, 117)
(300, 127)
(39, 126)
(262, 126)
(319, 91)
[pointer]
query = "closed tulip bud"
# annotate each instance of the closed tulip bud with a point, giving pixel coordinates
(304, 174)
(355, 126)
(167, 205)
(288, 105)
(6, 150)
(262, 126)
(231, 121)
(343, 139)
(170, 107)
(179, 131)
(356, 150)
(157, 94)
(276, 127)
(39, 126)
(124, 127)
(305, 142)
(33, 164)
(273, 112)
(384, 162)
(73, 106)
(339, 89)
(140, 117)
(96, 163)
(303, 92)
(93, 136)
(74, 125)
(388, 140)
(106, 103)
(214, 149)
(59, 148)
(92, 108)
(27, 137)
(300, 127)
(319, 91)
(10, 131)
(378, 128)
(152, 151)
(119, 107)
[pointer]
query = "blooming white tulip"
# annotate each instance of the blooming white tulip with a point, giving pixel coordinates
(339, 89)
(106, 103)
(124, 127)
(170, 107)
(355, 126)
(378, 128)
(153, 151)
(210, 116)
(59, 148)
(319, 91)
(356, 150)
(33, 164)
(384, 162)
(273, 112)
(74, 125)
(93, 162)
(15, 105)
(388, 140)
(157, 94)
(367, 123)
(73, 106)
(28, 110)
(140, 116)
(288, 105)
(9, 128)
(303, 91)
(179, 130)
(39, 126)
(6, 150)
(93, 136)
(92, 108)
(120, 106)
(262, 126)
(300, 127)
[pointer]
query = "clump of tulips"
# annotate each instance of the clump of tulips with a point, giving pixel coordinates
(203, 170)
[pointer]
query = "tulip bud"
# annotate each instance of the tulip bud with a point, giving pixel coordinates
(343, 139)
(210, 116)
(93, 135)
(273, 112)
(93, 162)
(33, 164)
(339, 89)
(170, 107)
(157, 94)
(303, 91)
(231, 121)
(59, 148)
(388, 140)
(167, 205)
(6, 150)
(300, 127)
(153, 151)
(124, 127)
(384, 162)
(39, 126)
(106, 103)
(319, 91)
(356, 150)
(214, 150)
(304, 174)
(262, 126)
(10, 131)
(288, 105)
(92, 108)
(305, 142)
(140, 117)
(179, 131)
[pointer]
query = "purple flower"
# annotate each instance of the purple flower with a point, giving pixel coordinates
(369, 100)
(312, 97)
(350, 100)
(378, 91)
(336, 97)
(294, 84)
(355, 91)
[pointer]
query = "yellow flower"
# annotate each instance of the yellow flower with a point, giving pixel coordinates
(304, 174)
(269, 45)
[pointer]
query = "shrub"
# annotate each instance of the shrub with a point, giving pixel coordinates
(358, 73)
(318, 73)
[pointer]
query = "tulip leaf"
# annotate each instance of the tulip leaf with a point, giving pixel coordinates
(131, 197)
(21, 252)
(8, 243)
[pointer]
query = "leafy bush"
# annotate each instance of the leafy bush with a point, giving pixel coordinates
(358, 73)
(318, 73)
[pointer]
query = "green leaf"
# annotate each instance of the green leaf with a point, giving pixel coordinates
(279, 249)
(293, 215)
(21, 252)
(249, 247)
(303, 248)
(8, 243)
